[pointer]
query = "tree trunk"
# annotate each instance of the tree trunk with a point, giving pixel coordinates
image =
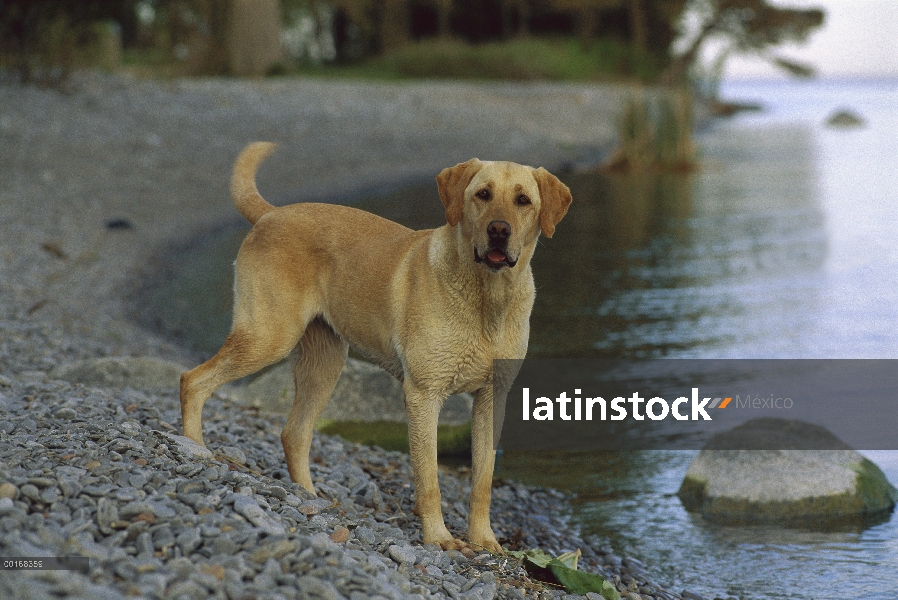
(680, 65)
(254, 42)
(638, 24)
(515, 18)
(523, 19)
(444, 14)
(394, 25)
(208, 51)
(588, 23)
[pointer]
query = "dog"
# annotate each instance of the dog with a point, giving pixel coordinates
(432, 307)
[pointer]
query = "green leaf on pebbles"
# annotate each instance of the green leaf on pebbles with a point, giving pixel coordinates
(562, 570)
(580, 582)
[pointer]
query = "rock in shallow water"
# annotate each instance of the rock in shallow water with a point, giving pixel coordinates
(145, 373)
(799, 485)
(845, 118)
(364, 392)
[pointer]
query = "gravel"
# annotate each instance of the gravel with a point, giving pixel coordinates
(159, 519)
(103, 472)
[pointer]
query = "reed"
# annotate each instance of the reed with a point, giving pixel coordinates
(655, 133)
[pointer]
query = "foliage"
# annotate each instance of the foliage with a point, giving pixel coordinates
(586, 12)
(572, 40)
(40, 39)
(744, 26)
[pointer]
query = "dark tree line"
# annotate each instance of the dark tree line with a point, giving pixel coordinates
(37, 37)
(389, 24)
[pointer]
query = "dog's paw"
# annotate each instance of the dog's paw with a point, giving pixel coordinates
(452, 544)
(442, 538)
(488, 544)
(485, 540)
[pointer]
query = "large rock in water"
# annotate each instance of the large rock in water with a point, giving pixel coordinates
(364, 392)
(797, 485)
(845, 119)
(139, 372)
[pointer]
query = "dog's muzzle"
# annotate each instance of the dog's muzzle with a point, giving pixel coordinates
(496, 255)
(494, 259)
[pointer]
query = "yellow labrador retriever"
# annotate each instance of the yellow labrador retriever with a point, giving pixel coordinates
(434, 308)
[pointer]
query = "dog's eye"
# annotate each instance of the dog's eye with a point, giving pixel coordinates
(522, 200)
(483, 194)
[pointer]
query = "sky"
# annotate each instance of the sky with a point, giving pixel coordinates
(859, 38)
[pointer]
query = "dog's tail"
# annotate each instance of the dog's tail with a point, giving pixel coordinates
(243, 181)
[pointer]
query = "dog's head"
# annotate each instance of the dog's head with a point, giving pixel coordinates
(501, 208)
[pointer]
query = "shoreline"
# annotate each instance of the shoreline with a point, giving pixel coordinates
(157, 155)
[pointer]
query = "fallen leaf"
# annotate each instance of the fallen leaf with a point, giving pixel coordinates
(581, 582)
(55, 249)
(563, 570)
(36, 306)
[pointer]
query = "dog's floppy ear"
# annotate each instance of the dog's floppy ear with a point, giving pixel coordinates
(555, 197)
(452, 182)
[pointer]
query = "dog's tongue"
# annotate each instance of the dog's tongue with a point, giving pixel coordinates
(495, 256)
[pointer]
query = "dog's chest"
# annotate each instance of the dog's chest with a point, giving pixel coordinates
(470, 373)
(459, 357)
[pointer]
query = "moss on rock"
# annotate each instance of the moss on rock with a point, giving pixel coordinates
(452, 440)
(816, 488)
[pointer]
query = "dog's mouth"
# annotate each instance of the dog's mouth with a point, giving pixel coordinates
(494, 259)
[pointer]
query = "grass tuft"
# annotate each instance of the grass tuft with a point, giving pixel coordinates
(655, 133)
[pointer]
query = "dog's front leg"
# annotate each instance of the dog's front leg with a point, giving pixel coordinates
(423, 411)
(483, 458)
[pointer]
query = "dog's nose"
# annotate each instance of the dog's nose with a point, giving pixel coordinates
(498, 230)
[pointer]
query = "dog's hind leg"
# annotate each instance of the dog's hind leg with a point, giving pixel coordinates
(269, 320)
(243, 353)
(320, 359)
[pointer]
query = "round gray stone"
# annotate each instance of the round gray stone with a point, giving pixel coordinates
(799, 485)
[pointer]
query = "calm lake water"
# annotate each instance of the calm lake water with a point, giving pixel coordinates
(781, 246)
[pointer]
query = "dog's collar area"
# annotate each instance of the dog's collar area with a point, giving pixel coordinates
(492, 261)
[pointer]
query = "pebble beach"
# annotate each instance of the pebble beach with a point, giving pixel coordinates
(97, 180)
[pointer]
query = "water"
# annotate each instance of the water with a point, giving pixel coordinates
(781, 246)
